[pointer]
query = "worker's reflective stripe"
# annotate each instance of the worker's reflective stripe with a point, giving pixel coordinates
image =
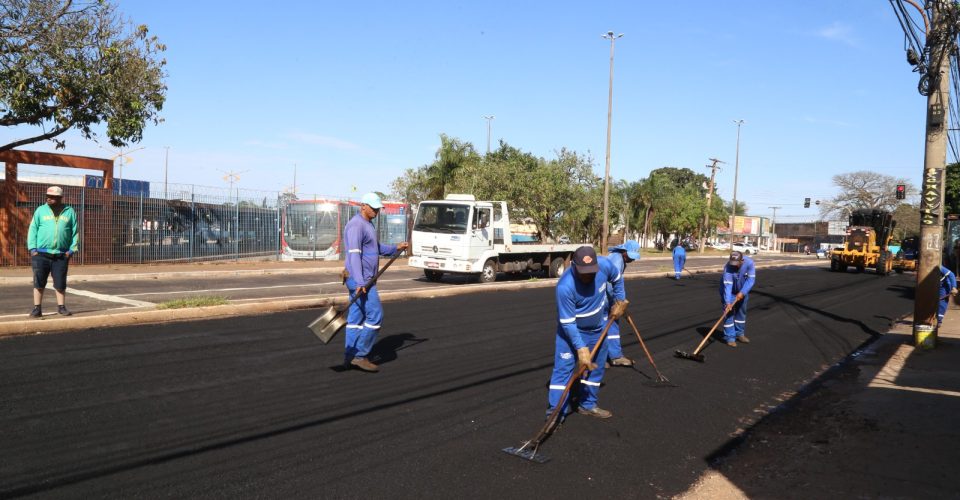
(354, 251)
(568, 320)
(591, 313)
(751, 275)
(617, 277)
(613, 336)
(725, 325)
(587, 382)
(558, 387)
(738, 321)
(602, 287)
(727, 282)
(373, 327)
(354, 326)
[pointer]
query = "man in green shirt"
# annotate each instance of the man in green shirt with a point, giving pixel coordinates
(52, 241)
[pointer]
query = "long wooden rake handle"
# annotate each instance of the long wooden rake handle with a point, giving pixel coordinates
(374, 279)
(643, 344)
(703, 342)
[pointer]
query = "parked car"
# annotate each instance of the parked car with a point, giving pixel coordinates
(746, 248)
(823, 253)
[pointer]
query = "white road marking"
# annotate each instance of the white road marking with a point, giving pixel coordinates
(111, 298)
(240, 289)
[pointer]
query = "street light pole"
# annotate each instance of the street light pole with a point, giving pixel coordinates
(606, 177)
(166, 163)
(773, 227)
(489, 118)
(736, 176)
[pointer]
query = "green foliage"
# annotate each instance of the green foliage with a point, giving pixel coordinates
(952, 189)
(65, 66)
(907, 217)
(198, 301)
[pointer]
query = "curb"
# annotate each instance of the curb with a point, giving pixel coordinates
(145, 316)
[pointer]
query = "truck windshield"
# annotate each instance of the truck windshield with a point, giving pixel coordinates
(442, 218)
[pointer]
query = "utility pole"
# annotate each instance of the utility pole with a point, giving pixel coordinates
(773, 227)
(706, 217)
(166, 163)
(940, 43)
(488, 118)
(736, 176)
(606, 177)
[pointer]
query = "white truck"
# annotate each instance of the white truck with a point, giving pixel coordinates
(460, 235)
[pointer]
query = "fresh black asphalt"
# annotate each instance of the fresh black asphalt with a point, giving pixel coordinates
(257, 407)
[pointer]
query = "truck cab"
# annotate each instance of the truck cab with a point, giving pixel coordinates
(461, 235)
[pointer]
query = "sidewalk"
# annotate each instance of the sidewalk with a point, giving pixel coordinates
(882, 425)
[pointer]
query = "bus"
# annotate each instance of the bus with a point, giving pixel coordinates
(312, 229)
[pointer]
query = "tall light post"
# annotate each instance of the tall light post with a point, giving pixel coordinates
(488, 118)
(166, 163)
(606, 176)
(773, 227)
(736, 176)
(123, 156)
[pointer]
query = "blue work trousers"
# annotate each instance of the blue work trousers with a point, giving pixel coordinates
(614, 350)
(679, 261)
(564, 366)
(735, 322)
(363, 322)
(942, 309)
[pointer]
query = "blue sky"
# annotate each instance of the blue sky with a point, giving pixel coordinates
(353, 93)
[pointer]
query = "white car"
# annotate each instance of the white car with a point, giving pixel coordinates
(746, 248)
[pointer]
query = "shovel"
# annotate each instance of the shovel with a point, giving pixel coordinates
(331, 321)
(528, 451)
(696, 356)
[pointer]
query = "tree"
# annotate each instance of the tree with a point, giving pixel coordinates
(863, 189)
(452, 156)
(65, 66)
(907, 217)
(952, 189)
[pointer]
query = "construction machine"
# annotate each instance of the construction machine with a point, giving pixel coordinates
(908, 256)
(868, 237)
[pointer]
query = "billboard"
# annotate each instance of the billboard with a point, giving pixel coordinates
(746, 226)
(130, 186)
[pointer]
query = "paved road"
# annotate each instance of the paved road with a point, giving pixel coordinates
(256, 407)
(91, 294)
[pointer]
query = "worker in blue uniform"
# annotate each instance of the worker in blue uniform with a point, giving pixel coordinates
(361, 265)
(948, 288)
(679, 259)
(582, 313)
(619, 256)
(739, 276)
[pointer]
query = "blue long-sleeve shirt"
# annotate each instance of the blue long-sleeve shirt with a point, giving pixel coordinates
(582, 307)
(679, 251)
(363, 250)
(948, 281)
(616, 258)
(737, 280)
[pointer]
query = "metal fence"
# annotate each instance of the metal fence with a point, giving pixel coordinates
(185, 222)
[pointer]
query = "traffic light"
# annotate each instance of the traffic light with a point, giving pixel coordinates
(901, 191)
(806, 203)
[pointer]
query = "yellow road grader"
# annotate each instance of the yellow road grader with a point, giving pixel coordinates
(868, 236)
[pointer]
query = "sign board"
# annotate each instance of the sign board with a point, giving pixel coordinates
(837, 228)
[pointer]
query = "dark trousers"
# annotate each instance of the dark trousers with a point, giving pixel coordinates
(45, 265)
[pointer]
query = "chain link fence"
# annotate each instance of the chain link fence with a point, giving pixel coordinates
(163, 222)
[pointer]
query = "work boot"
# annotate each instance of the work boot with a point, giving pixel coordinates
(36, 312)
(63, 311)
(596, 411)
(732, 343)
(365, 365)
(743, 339)
(622, 361)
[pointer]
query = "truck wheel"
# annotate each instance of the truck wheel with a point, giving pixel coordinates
(557, 267)
(834, 265)
(489, 272)
(842, 268)
(860, 268)
(434, 276)
(882, 264)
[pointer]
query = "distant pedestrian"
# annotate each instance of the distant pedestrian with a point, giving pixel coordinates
(52, 240)
(679, 260)
(361, 265)
(948, 288)
(620, 256)
(582, 313)
(739, 276)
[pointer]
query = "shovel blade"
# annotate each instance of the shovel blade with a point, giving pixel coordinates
(526, 453)
(327, 325)
(695, 357)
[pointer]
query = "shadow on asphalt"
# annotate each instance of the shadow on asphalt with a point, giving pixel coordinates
(385, 350)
